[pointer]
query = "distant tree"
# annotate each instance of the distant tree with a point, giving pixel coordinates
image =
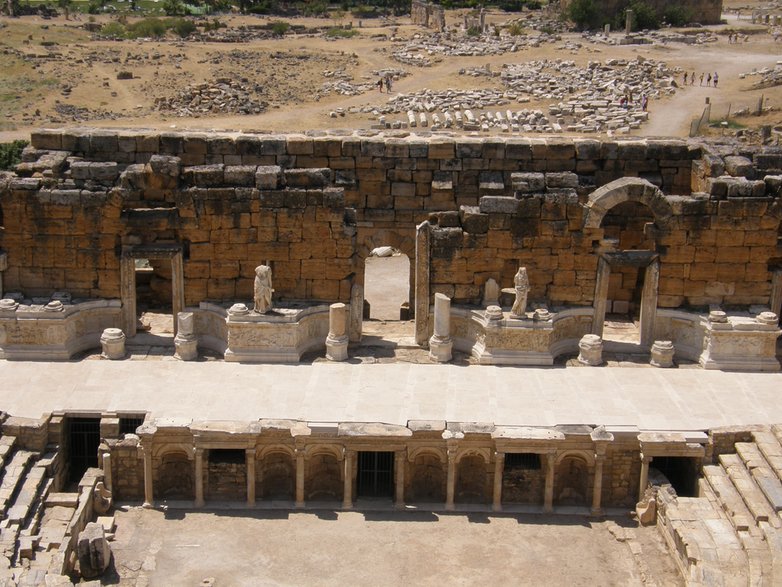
(66, 7)
(174, 7)
(584, 13)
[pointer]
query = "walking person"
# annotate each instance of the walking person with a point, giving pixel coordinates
(644, 102)
(701, 79)
(380, 84)
(692, 79)
(685, 78)
(708, 81)
(716, 79)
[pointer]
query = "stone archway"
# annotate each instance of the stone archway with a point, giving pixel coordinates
(175, 476)
(601, 201)
(572, 481)
(428, 478)
(626, 189)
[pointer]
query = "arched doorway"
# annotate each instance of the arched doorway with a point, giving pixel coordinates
(629, 211)
(175, 477)
(428, 479)
(571, 482)
(471, 480)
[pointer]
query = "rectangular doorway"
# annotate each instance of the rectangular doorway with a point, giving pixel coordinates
(375, 474)
(83, 441)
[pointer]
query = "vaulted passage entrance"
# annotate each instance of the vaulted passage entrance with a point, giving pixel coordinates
(375, 474)
(83, 441)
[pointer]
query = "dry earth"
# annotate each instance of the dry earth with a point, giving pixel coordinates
(280, 547)
(74, 80)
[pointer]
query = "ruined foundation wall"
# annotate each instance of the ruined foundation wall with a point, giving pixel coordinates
(315, 206)
(701, 11)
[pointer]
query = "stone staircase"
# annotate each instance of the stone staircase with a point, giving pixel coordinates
(26, 478)
(732, 533)
(747, 487)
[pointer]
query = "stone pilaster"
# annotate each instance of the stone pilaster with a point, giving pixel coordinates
(597, 487)
(300, 464)
(249, 456)
(199, 477)
(451, 480)
(399, 478)
(499, 467)
(347, 490)
(422, 277)
(644, 480)
(548, 497)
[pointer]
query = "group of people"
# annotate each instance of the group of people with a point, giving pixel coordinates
(384, 80)
(627, 99)
(707, 76)
(733, 38)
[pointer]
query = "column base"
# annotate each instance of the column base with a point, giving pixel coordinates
(148, 505)
(596, 512)
(299, 505)
(337, 348)
(199, 503)
(496, 507)
(449, 507)
(440, 349)
(186, 347)
(347, 506)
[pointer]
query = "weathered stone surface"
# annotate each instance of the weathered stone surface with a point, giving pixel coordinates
(93, 551)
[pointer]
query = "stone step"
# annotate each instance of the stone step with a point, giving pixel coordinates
(7, 444)
(771, 448)
(13, 476)
(729, 498)
(748, 490)
(764, 476)
(27, 496)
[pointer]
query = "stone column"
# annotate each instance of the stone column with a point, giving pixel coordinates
(399, 478)
(149, 494)
(644, 481)
(601, 296)
(199, 477)
(300, 464)
(347, 489)
(590, 349)
(337, 339)
(450, 488)
(185, 342)
(597, 487)
(177, 286)
(127, 272)
(107, 476)
(422, 263)
(776, 292)
(628, 21)
(649, 303)
(548, 499)
(112, 343)
(441, 344)
(499, 467)
(3, 267)
(356, 313)
(249, 459)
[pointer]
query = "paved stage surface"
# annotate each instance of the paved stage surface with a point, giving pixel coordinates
(649, 398)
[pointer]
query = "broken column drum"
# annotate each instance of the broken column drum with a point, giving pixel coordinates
(337, 339)
(441, 344)
(590, 350)
(662, 354)
(112, 343)
(185, 342)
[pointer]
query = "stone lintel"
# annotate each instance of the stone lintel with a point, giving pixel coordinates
(433, 428)
(526, 433)
(374, 429)
(284, 427)
(207, 430)
(468, 429)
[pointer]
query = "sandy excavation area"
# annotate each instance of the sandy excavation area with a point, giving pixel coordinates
(56, 73)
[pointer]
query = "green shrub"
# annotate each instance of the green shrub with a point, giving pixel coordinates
(280, 27)
(148, 27)
(584, 13)
(316, 8)
(113, 29)
(338, 33)
(515, 29)
(11, 154)
(174, 7)
(474, 31)
(677, 15)
(182, 27)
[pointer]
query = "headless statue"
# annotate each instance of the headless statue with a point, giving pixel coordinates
(262, 293)
(521, 284)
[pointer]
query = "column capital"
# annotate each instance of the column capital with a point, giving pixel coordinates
(249, 451)
(551, 458)
(599, 458)
(646, 458)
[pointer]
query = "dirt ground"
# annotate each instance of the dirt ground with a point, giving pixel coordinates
(280, 547)
(56, 74)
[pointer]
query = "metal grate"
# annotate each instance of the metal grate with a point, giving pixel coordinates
(84, 438)
(128, 425)
(522, 460)
(375, 474)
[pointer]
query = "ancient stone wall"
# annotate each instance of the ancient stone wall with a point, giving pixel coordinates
(315, 206)
(701, 11)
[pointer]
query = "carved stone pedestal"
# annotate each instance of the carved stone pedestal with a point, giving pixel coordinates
(590, 350)
(185, 342)
(337, 340)
(112, 343)
(662, 354)
(441, 343)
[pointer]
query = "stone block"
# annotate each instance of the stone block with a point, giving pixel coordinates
(267, 177)
(242, 175)
(473, 221)
(527, 183)
(738, 166)
(307, 178)
(439, 149)
(93, 551)
(561, 180)
(499, 205)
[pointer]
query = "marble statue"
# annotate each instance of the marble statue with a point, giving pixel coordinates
(263, 289)
(521, 285)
